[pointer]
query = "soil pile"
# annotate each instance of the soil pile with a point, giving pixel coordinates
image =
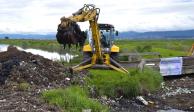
(19, 66)
(22, 78)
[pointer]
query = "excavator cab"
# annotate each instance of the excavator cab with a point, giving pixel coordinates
(107, 35)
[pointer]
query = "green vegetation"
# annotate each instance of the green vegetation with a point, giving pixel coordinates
(181, 47)
(107, 83)
(49, 45)
(167, 48)
(146, 48)
(73, 99)
(114, 84)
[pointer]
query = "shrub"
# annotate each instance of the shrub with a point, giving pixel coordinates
(115, 84)
(73, 99)
(112, 83)
(149, 79)
(146, 48)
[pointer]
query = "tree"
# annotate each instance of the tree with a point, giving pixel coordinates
(6, 37)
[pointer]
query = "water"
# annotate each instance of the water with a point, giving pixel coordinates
(3, 47)
(46, 54)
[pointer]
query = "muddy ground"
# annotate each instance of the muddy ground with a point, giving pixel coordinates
(18, 68)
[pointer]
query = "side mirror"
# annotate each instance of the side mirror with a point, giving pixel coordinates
(116, 33)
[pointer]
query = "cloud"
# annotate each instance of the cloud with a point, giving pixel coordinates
(43, 16)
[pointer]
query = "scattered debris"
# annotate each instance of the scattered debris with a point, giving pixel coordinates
(142, 100)
(87, 110)
(67, 79)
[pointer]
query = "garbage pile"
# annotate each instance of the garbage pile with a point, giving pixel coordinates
(20, 66)
(23, 76)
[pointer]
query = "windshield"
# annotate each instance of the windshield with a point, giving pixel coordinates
(106, 37)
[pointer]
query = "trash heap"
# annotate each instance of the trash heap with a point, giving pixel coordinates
(19, 66)
(23, 76)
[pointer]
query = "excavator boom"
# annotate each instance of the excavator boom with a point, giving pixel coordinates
(87, 13)
(90, 13)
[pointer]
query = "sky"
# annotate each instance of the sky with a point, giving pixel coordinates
(43, 16)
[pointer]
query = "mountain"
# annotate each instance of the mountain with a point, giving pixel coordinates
(122, 35)
(157, 34)
(29, 36)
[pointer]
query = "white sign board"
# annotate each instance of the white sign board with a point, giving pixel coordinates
(171, 66)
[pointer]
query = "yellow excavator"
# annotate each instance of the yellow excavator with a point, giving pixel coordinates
(100, 52)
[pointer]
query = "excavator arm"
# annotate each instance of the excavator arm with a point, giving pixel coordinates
(87, 13)
(90, 13)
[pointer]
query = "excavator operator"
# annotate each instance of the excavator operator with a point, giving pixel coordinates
(103, 40)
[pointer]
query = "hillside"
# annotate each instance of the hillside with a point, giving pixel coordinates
(157, 34)
(122, 35)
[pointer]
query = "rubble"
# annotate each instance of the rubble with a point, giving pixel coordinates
(141, 99)
(175, 94)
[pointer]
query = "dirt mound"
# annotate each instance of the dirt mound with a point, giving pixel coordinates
(19, 66)
(22, 78)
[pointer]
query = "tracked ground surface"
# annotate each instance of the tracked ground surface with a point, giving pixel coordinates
(22, 78)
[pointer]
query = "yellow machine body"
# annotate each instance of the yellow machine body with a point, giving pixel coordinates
(97, 54)
(88, 48)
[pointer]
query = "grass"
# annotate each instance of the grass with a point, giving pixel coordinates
(149, 79)
(73, 99)
(106, 83)
(167, 48)
(125, 45)
(114, 84)
(48, 45)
